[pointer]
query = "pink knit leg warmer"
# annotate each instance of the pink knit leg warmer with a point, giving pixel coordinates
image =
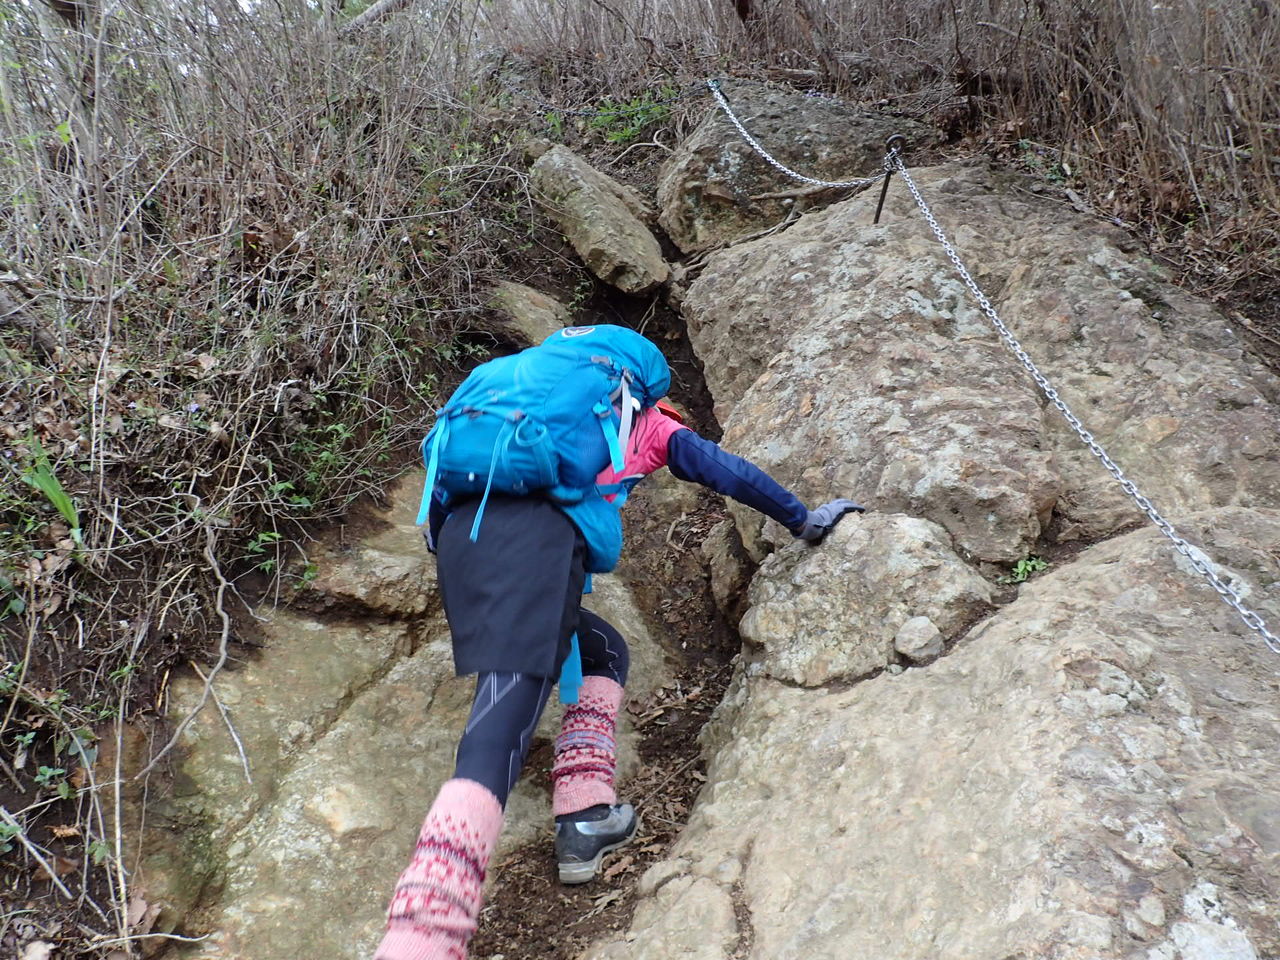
(586, 752)
(437, 898)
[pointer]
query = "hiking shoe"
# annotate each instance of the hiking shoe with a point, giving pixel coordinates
(583, 838)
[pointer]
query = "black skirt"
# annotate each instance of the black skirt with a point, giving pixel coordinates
(512, 597)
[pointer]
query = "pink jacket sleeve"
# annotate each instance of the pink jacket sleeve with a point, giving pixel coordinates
(647, 447)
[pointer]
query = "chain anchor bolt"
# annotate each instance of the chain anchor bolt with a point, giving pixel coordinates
(893, 147)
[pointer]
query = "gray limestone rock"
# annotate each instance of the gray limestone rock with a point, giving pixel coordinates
(832, 612)
(919, 640)
(347, 726)
(603, 220)
(1090, 774)
(848, 359)
(715, 188)
(531, 315)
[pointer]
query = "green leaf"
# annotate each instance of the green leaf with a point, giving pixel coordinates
(100, 852)
(40, 475)
(64, 132)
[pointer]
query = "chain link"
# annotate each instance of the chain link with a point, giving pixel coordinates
(754, 144)
(1194, 556)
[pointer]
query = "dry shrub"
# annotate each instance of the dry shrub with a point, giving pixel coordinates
(237, 251)
(238, 254)
(1165, 113)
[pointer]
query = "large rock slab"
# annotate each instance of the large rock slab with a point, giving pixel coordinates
(347, 723)
(715, 188)
(1089, 775)
(603, 220)
(833, 613)
(530, 315)
(848, 359)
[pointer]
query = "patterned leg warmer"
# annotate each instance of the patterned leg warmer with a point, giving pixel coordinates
(437, 898)
(586, 754)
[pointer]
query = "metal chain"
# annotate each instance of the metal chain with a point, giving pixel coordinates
(754, 144)
(893, 163)
(1194, 555)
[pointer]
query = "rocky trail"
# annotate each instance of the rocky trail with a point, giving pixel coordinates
(911, 742)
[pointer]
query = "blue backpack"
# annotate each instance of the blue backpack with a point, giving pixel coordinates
(546, 421)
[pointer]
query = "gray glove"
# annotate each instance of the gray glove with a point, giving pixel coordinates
(820, 522)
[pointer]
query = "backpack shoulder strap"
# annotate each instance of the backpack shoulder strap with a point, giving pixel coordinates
(432, 461)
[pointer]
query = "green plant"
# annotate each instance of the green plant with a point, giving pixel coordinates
(624, 121)
(258, 548)
(9, 677)
(309, 574)
(8, 831)
(10, 601)
(77, 744)
(120, 673)
(99, 852)
(1034, 158)
(1024, 568)
(39, 474)
(55, 779)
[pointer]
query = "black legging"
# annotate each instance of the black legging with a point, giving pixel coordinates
(507, 706)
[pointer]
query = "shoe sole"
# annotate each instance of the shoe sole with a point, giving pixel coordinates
(585, 871)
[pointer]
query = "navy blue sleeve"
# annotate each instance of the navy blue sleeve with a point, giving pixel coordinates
(690, 457)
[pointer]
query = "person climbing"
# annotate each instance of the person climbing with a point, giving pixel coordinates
(527, 468)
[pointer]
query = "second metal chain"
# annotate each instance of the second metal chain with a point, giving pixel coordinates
(754, 144)
(1193, 555)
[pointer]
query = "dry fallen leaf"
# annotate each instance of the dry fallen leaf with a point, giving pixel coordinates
(65, 831)
(62, 866)
(142, 915)
(622, 864)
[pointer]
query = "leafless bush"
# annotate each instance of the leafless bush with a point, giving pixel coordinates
(1164, 111)
(236, 251)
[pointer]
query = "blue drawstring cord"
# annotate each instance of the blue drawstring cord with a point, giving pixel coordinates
(571, 673)
(498, 447)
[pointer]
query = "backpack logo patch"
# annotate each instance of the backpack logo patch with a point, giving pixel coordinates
(577, 331)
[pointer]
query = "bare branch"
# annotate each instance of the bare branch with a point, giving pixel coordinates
(379, 11)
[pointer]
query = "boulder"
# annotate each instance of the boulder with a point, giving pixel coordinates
(288, 843)
(849, 359)
(833, 613)
(1089, 775)
(716, 188)
(531, 316)
(919, 640)
(603, 220)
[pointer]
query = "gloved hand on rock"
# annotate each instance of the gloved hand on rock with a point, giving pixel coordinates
(821, 521)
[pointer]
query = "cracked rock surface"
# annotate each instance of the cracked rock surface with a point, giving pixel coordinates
(715, 188)
(1090, 774)
(603, 220)
(848, 359)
